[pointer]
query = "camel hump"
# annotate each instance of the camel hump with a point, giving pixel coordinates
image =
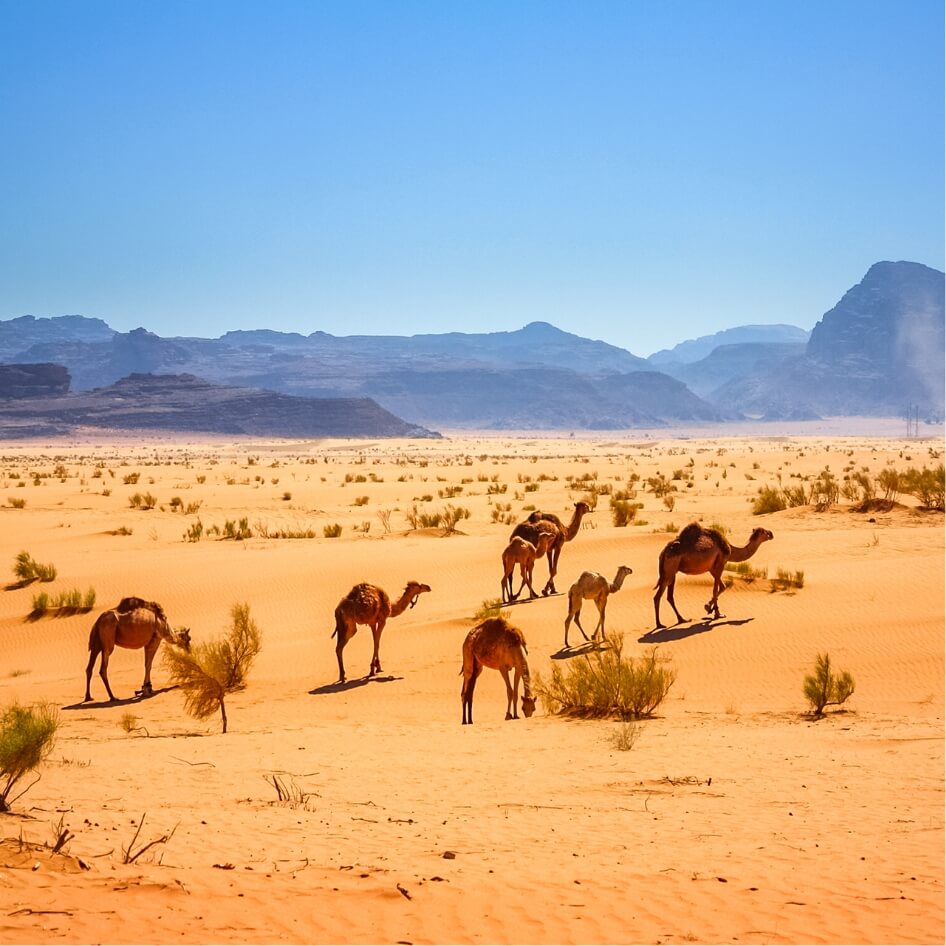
(690, 533)
(133, 604)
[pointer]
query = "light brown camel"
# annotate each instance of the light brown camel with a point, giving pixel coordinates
(540, 522)
(697, 550)
(497, 644)
(133, 623)
(369, 604)
(592, 587)
(523, 553)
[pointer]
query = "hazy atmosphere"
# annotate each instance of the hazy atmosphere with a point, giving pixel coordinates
(640, 172)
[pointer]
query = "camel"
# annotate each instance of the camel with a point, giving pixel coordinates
(522, 552)
(133, 623)
(369, 604)
(497, 644)
(697, 550)
(542, 522)
(592, 587)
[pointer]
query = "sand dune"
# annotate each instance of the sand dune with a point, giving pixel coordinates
(734, 818)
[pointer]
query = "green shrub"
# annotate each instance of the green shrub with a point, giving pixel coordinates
(926, 485)
(888, 480)
(605, 683)
(623, 512)
(40, 604)
(27, 736)
(207, 672)
(27, 569)
(490, 608)
(625, 736)
(194, 532)
(768, 500)
(823, 687)
(452, 516)
(237, 530)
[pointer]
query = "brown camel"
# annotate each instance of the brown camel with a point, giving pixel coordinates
(522, 552)
(592, 587)
(133, 623)
(697, 550)
(368, 604)
(539, 522)
(497, 644)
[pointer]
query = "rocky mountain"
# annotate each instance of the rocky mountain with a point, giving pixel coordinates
(18, 381)
(729, 363)
(879, 351)
(695, 349)
(186, 403)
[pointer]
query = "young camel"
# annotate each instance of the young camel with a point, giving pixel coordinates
(497, 644)
(695, 551)
(547, 522)
(134, 623)
(523, 553)
(592, 587)
(369, 604)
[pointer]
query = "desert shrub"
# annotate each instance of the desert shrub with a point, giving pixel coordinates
(660, 486)
(452, 516)
(625, 736)
(926, 485)
(40, 604)
(768, 500)
(16, 503)
(888, 480)
(194, 532)
(825, 491)
(490, 608)
(824, 687)
(360, 501)
(332, 531)
(606, 683)
(795, 495)
(27, 736)
(208, 671)
(130, 479)
(669, 501)
(237, 530)
(745, 571)
(623, 511)
(27, 569)
(142, 501)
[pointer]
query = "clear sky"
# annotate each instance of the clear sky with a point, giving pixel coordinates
(640, 171)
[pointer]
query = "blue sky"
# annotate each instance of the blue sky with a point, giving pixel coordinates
(643, 171)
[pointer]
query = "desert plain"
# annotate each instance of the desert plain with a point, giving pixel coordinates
(734, 816)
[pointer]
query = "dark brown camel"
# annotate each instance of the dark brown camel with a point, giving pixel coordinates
(497, 644)
(697, 550)
(540, 522)
(369, 604)
(134, 623)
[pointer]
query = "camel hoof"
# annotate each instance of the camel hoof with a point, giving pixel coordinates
(509, 716)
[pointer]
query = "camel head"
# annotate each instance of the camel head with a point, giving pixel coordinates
(182, 638)
(759, 536)
(582, 507)
(528, 706)
(414, 589)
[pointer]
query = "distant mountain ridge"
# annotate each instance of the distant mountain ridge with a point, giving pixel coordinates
(879, 350)
(186, 403)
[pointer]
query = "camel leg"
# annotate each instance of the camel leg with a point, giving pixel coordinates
(510, 695)
(680, 618)
(96, 649)
(151, 648)
(507, 587)
(526, 574)
(553, 568)
(718, 589)
(376, 659)
(600, 627)
(344, 635)
(103, 673)
(466, 694)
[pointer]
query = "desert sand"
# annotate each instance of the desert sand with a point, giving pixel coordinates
(735, 817)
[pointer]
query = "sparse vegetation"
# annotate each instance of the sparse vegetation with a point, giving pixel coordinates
(606, 683)
(490, 608)
(208, 671)
(16, 503)
(332, 531)
(27, 569)
(27, 736)
(823, 688)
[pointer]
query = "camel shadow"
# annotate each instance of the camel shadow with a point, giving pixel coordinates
(128, 701)
(661, 635)
(577, 650)
(351, 684)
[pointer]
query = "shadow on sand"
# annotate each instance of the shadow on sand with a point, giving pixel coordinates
(661, 635)
(578, 650)
(351, 684)
(129, 701)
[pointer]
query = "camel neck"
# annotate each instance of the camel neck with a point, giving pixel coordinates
(742, 554)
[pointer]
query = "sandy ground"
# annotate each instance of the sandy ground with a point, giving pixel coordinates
(734, 817)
